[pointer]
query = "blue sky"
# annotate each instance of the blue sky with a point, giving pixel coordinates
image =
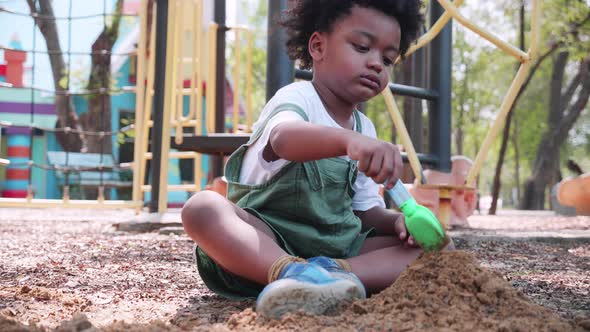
(83, 33)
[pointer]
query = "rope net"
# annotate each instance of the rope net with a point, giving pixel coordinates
(34, 161)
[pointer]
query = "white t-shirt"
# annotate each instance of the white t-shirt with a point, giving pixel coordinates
(256, 170)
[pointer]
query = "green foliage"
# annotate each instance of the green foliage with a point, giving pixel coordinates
(257, 18)
(377, 112)
(482, 75)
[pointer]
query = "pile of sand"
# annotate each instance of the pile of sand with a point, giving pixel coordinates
(439, 292)
(446, 291)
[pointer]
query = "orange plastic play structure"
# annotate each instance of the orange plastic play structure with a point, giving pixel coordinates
(575, 192)
(445, 193)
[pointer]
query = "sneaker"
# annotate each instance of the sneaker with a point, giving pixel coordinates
(338, 272)
(304, 287)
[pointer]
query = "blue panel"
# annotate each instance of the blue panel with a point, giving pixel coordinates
(19, 140)
(16, 184)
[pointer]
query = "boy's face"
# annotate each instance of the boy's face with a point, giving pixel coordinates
(358, 54)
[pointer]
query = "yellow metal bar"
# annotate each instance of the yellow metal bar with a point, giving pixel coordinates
(498, 123)
(510, 96)
(147, 111)
(177, 52)
(506, 47)
(535, 29)
(398, 122)
(74, 203)
(174, 123)
(139, 102)
(249, 84)
(236, 101)
(173, 187)
(211, 78)
(169, 106)
(176, 155)
(198, 68)
(432, 32)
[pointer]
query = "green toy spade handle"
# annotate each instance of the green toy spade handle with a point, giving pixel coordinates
(420, 221)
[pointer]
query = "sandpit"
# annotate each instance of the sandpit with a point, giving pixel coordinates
(447, 291)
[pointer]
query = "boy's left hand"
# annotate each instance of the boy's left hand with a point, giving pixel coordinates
(402, 232)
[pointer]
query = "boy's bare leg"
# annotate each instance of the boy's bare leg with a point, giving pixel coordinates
(382, 259)
(379, 268)
(235, 239)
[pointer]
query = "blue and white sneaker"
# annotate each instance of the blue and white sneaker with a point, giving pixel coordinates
(338, 272)
(305, 287)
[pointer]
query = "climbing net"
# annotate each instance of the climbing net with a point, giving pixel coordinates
(21, 157)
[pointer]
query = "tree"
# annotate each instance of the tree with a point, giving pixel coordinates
(506, 132)
(99, 78)
(568, 97)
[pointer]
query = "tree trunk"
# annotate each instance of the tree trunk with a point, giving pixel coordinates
(516, 160)
(506, 133)
(560, 122)
(66, 114)
(98, 117)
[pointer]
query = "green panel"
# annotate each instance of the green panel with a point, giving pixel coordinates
(40, 120)
(38, 175)
(12, 95)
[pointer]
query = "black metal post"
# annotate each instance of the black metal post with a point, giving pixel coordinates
(439, 116)
(279, 68)
(219, 17)
(158, 111)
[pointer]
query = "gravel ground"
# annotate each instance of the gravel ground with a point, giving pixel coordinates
(55, 263)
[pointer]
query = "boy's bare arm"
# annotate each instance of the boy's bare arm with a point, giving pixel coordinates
(303, 141)
(382, 220)
(386, 223)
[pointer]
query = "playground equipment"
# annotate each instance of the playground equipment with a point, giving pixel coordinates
(160, 86)
(445, 194)
(446, 190)
(575, 192)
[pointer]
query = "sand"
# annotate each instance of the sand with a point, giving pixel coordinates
(447, 291)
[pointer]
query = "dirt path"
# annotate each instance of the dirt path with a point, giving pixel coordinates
(55, 263)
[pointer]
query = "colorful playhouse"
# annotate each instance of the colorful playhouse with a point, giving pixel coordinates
(29, 150)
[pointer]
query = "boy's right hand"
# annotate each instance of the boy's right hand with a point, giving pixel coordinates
(379, 160)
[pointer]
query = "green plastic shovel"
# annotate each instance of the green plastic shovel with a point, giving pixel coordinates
(420, 221)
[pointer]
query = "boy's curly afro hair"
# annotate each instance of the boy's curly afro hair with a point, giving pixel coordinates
(304, 17)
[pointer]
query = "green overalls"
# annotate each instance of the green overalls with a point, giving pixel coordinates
(307, 205)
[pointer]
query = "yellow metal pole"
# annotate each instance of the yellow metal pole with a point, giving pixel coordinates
(510, 96)
(236, 100)
(249, 84)
(432, 32)
(535, 30)
(169, 95)
(177, 16)
(147, 112)
(506, 47)
(139, 103)
(498, 123)
(211, 79)
(398, 122)
(197, 67)
(65, 203)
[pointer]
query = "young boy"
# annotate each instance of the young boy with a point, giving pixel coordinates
(304, 227)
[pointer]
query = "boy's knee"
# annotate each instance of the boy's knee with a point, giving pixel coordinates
(200, 207)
